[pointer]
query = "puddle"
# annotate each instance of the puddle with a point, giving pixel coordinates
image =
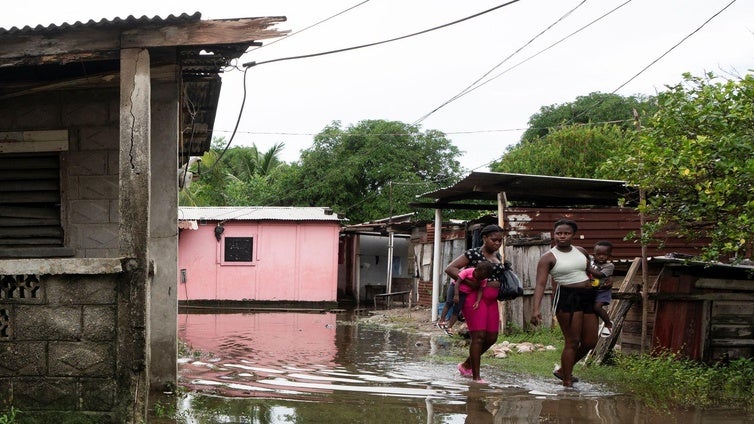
(293, 367)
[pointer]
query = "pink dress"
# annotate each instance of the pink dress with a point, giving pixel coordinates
(486, 317)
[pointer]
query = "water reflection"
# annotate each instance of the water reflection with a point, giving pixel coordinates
(285, 367)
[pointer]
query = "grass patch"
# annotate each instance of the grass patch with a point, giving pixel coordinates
(665, 379)
(660, 380)
(10, 416)
(539, 363)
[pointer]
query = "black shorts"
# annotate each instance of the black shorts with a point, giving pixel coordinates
(575, 300)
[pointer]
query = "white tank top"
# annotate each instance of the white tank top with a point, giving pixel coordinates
(570, 267)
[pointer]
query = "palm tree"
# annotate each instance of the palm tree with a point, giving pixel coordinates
(223, 169)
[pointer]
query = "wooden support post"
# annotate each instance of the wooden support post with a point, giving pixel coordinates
(501, 203)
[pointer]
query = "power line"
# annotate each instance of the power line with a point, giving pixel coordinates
(639, 73)
(532, 56)
(250, 64)
(599, 102)
(495, 130)
(676, 45)
(310, 26)
(499, 64)
(243, 101)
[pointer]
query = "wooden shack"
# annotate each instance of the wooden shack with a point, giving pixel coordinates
(527, 206)
(701, 311)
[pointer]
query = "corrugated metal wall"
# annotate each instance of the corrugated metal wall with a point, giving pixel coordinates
(613, 224)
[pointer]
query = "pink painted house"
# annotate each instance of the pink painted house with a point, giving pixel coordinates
(257, 254)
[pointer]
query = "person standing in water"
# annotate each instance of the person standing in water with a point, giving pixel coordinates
(567, 264)
(483, 322)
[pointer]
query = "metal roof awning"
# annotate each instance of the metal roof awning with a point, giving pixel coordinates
(47, 60)
(529, 190)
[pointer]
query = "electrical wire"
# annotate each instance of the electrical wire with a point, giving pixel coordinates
(499, 64)
(530, 57)
(673, 48)
(599, 102)
(498, 130)
(310, 26)
(243, 102)
(235, 128)
(636, 75)
(250, 64)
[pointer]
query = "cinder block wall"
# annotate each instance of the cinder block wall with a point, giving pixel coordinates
(90, 174)
(58, 346)
(89, 169)
(59, 352)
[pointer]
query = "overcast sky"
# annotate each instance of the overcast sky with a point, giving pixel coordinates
(290, 101)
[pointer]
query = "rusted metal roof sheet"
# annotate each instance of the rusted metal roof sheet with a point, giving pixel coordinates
(620, 226)
(86, 55)
(256, 213)
(534, 190)
(129, 21)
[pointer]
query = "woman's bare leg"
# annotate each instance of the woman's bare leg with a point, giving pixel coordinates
(476, 348)
(589, 328)
(570, 324)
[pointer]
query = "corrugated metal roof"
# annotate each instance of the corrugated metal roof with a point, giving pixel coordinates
(120, 22)
(537, 190)
(256, 213)
(86, 56)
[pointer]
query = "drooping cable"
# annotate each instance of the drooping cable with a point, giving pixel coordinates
(527, 59)
(459, 94)
(674, 46)
(250, 64)
(599, 102)
(309, 27)
(235, 128)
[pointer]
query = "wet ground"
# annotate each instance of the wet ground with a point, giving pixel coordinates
(294, 367)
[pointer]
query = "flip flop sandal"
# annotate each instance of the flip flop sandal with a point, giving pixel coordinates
(557, 375)
(464, 371)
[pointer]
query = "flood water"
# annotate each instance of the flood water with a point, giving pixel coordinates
(309, 367)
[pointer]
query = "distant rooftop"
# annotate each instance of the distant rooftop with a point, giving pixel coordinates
(532, 190)
(256, 213)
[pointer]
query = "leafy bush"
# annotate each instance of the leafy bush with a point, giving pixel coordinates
(665, 378)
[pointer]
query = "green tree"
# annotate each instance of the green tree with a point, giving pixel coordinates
(370, 170)
(695, 160)
(594, 108)
(236, 176)
(572, 151)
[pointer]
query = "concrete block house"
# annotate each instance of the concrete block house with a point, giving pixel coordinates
(258, 254)
(95, 119)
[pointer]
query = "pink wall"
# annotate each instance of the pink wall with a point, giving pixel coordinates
(292, 261)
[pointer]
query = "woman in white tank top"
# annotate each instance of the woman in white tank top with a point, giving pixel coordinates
(574, 300)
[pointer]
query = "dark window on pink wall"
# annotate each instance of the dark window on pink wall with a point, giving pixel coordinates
(239, 249)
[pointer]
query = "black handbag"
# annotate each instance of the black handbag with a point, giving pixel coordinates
(510, 285)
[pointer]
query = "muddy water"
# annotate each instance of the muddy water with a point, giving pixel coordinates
(292, 367)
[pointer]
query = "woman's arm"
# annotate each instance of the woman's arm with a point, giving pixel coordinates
(544, 266)
(455, 267)
(474, 284)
